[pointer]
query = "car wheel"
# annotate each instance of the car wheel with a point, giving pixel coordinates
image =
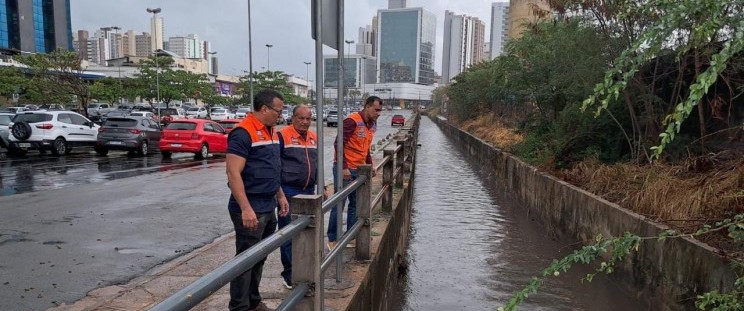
(21, 130)
(60, 147)
(143, 149)
(203, 152)
(166, 154)
(101, 151)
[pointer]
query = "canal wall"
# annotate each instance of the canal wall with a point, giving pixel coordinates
(665, 275)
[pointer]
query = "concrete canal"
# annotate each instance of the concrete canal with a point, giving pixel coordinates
(471, 247)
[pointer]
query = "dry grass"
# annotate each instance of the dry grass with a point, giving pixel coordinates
(666, 193)
(489, 128)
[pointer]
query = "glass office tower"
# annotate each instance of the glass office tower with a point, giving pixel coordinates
(38, 26)
(406, 45)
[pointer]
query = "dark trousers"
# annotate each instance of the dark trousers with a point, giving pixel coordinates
(286, 248)
(244, 293)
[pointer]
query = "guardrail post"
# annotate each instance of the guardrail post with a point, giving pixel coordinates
(364, 213)
(307, 253)
(387, 180)
(399, 162)
(409, 153)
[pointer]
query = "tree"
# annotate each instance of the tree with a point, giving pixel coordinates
(58, 77)
(106, 89)
(269, 80)
(12, 81)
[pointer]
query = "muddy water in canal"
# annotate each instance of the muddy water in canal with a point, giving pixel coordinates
(472, 247)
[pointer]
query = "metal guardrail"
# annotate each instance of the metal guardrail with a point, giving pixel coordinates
(395, 163)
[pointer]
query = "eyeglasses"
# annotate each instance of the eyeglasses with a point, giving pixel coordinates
(279, 111)
(378, 109)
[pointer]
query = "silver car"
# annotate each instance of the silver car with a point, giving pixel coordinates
(5, 119)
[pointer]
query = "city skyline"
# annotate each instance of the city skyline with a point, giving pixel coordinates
(284, 25)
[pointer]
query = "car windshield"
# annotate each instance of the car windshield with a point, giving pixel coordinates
(4, 119)
(188, 126)
(32, 117)
(244, 109)
(397, 116)
(116, 114)
(120, 122)
(168, 112)
(218, 110)
(193, 109)
(93, 106)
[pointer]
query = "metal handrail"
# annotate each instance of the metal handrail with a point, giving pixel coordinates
(378, 197)
(345, 239)
(337, 197)
(294, 297)
(194, 293)
(381, 164)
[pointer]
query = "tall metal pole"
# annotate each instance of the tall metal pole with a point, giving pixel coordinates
(319, 108)
(118, 67)
(268, 57)
(340, 134)
(250, 56)
(307, 76)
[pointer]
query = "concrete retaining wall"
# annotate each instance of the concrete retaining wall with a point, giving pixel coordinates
(667, 275)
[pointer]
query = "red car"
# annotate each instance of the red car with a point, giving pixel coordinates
(229, 124)
(398, 119)
(195, 136)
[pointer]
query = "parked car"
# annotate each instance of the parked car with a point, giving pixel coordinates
(167, 115)
(218, 114)
(132, 133)
(332, 118)
(197, 112)
(13, 110)
(398, 119)
(195, 136)
(58, 131)
(5, 119)
(145, 114)
(111, 114)
(242, 112)
(286, 115)
(99, 108)
(229, 125)
(52, 107)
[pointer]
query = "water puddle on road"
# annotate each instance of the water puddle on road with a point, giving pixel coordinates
(471, 248)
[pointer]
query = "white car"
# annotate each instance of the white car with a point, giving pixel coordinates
(196, 112)
(242, 112)
(58, 131)
(219, 114)
(144, 114)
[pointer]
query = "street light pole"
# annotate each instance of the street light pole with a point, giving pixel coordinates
(250, 56)
(118, 67)
(348, 55)
(268, 57)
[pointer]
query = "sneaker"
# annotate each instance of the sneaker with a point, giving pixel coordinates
(261, 307)
(287, 284)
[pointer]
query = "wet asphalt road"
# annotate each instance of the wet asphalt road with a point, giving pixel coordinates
(75, 223)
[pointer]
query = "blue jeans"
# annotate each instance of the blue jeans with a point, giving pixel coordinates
(351, 212)
(286, 248)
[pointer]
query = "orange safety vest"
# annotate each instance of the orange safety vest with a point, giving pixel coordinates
(298, 157)
(357, 148)
(262, 171)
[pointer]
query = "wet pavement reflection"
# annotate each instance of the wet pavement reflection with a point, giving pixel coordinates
(471, 248)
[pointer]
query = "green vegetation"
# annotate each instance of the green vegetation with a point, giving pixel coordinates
(269, 80)
(639, 100)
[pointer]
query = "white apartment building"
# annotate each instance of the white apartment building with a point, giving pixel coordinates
(463, 44)
(499, 28)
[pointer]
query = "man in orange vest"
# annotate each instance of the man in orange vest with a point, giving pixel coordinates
(298, 147)
(359, 130)
(253, 175)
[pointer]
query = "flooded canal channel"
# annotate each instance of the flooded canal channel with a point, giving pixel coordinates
(471, 247)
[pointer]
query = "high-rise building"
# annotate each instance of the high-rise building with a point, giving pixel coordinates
(130, 43)
(39, 26)
(463, 44)
(522, 12)
(358, 71)
(397, 4)
(366, 44)
(187, 47)
(81, 44)
(405, 50)
(143, 44)
(499, 28)
(156, 29)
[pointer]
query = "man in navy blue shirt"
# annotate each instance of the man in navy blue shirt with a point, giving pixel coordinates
(254, 176)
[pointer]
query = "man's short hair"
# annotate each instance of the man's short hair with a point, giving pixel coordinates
(294, 110)
(265, 98)
(371, 101)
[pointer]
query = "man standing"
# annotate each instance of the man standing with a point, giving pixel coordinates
(299, 153)
(253, 175)
(359, 130)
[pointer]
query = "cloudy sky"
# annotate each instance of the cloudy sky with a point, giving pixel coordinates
(285, 24)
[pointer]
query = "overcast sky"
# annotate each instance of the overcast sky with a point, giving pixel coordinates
(285, 24)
